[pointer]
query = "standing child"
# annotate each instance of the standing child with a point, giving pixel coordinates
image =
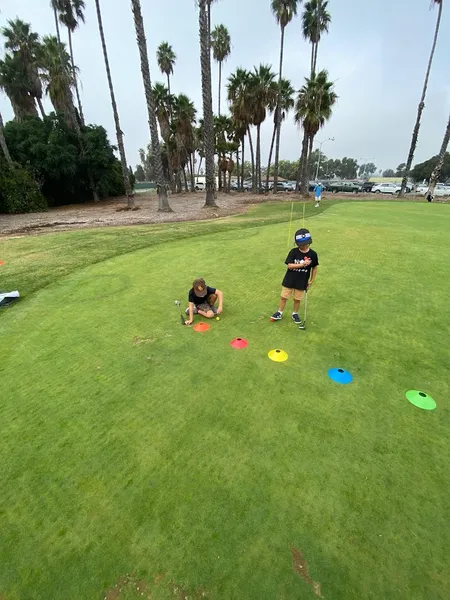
(318, 194)
(302, 263)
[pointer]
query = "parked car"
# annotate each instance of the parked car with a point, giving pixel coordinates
(367, 186)
(344, 186)
(422, 188)
(386, 188)
(281, 186)
(441, 190)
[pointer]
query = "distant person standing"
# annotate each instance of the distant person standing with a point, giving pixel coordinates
(318, 193)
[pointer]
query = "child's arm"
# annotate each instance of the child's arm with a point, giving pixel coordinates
(220, 296)
(304, 263)
(313, 276)
(191, 314)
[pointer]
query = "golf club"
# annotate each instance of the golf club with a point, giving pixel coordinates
(303, 325)
(177, 303)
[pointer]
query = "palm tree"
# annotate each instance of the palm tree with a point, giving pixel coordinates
(316, 20)
(71, 13)
(164, 103)
(166, 58)
(239, 99)
(208, 5)
(3, 144)
(437, 169)
(284, 11)
(119, 133)
(421, 106)
(184, 120)
(263, 92)
(285, 100)
(208, 125)
(24, 44)
(313, 108)
(57, 73)
(151, 109)
(53, 4)
(221, 46)
(14, 81)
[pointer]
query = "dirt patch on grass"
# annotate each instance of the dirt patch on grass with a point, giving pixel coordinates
(300, 566)
(130, 586)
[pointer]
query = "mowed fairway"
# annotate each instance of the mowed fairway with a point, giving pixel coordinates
(132, 445)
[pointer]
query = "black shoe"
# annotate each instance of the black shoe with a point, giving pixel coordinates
(296, 318)
(277, 316)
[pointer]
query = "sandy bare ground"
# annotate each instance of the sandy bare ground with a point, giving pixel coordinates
(108, 213)
(186, 207)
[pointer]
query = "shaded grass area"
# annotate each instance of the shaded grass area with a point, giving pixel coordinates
(133, 445)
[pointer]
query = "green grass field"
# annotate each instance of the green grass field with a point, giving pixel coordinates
(136, 452)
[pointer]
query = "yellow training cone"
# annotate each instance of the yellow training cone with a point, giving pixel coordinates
(278, 355)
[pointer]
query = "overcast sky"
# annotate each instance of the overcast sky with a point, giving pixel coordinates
(376, 52)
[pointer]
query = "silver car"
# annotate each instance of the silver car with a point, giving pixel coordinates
(386, 188)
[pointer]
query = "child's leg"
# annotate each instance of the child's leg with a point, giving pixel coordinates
(282, 305)
(209, 314)
(296, 305)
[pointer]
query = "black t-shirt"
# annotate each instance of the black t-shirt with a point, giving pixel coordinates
(196, 300)
(298, 278)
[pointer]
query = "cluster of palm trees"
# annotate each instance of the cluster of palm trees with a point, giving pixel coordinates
(253, 94)
(33, 67)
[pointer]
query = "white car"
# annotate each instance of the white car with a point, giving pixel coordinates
(386, 188)
(440, 190)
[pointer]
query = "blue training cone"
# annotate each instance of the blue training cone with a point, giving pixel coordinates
(340, 376)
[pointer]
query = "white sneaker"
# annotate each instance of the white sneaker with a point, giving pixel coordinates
(317, 205)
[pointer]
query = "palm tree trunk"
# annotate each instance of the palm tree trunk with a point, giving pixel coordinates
(179, 187)
(219, 158)
(191, 166)
(208, 127)
(238, 168)
(437, 169)
(41, 107)
(58, 34)
(278, 119)
(258, 157)
(312, 58)
(186, 187)
(119, 133)
(316, 51)
(272, 144)
(302, 176)
(421, 106)
(308, 167)
(75, 78)
(145, 70)
(220, 83)
(243, 163)
(4, 146)
(199, 165)
(252, 154)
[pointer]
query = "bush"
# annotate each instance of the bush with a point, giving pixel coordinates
(19, 193)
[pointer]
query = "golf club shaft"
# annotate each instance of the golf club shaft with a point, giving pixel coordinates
(306, 305)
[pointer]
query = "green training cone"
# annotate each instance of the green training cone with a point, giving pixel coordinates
(421, 400)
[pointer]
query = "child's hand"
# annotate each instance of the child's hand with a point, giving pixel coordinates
(219, 310)
(307, 261)
(188, 322)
